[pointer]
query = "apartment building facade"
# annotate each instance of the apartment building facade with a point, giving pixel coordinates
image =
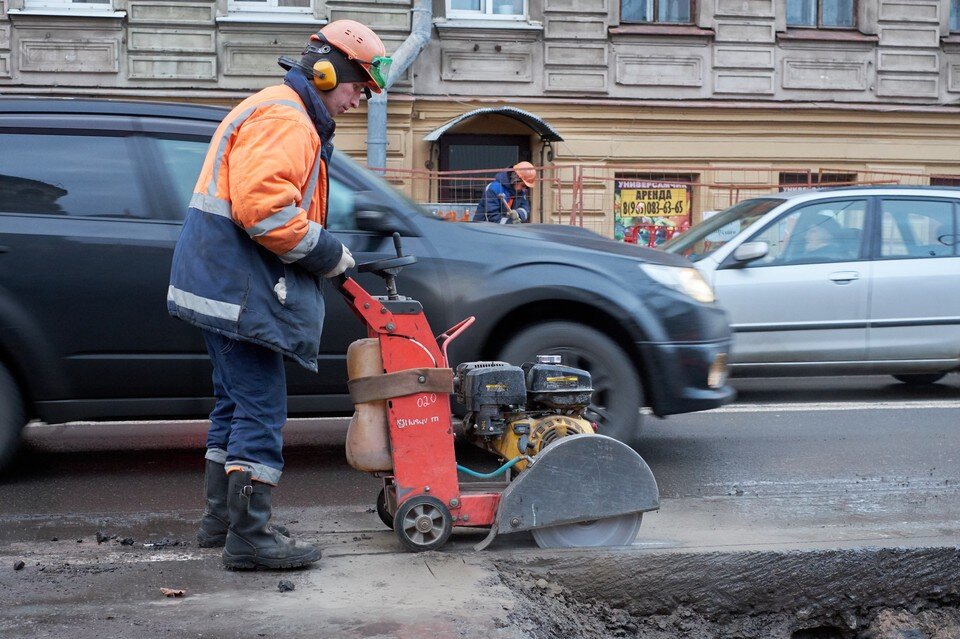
(658, 92)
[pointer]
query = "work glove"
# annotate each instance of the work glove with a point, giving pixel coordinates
(514, 216)
(346, 261)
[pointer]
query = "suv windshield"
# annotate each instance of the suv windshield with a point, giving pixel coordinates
(706, 237)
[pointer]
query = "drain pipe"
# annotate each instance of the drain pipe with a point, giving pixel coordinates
(403, 57)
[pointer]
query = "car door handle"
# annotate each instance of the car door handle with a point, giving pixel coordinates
(4, 249)
(842, 277)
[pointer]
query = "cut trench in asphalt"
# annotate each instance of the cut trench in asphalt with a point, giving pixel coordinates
(877, 593)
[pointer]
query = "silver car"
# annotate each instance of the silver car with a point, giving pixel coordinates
(857, 280)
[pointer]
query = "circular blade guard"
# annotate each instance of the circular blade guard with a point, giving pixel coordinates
(577, 479)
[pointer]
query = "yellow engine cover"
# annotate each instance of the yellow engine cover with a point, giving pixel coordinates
(529, 436)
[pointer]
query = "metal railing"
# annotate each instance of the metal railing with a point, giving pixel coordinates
(590, 195)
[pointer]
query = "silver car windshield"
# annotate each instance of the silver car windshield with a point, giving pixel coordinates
(709, 235)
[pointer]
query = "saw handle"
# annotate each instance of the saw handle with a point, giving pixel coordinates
(389, 267)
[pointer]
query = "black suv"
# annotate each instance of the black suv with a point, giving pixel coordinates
(92, 194)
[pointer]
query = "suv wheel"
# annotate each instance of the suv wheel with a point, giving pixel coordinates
(917, 379)
(617, 392)
(12, 417)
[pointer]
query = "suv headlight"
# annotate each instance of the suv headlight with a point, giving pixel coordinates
(686, 280)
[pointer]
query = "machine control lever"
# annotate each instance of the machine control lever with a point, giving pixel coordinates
(388, 268)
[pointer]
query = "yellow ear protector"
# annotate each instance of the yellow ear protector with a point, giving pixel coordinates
(323, 75)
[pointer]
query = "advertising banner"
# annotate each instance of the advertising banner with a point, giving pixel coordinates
(649, 212)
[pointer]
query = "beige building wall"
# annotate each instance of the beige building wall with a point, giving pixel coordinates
(744, 145)
(734, 97)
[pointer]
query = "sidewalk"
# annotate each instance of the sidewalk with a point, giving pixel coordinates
(366, 586)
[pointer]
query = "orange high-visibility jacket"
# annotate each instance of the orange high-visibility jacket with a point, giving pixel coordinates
(266, 164)
(253, 249)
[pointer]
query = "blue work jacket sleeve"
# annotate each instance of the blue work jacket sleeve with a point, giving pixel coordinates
(491, 208)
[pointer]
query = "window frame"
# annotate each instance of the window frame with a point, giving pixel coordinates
(880, 211)
(656, 9)
(164, 176)
(854, 11)
(104, 126)
(487, 13)
(107, 6)
(814, 179)
(267, 6)
(945, 180)
(797, 209)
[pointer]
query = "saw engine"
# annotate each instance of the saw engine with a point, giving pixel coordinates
(517, 410)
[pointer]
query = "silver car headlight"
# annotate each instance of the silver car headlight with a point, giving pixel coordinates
(687, 280)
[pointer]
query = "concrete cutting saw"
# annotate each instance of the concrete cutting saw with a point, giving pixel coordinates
(557, 477)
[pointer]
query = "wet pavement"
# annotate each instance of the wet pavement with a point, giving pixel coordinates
(815, 522)
(718, 561)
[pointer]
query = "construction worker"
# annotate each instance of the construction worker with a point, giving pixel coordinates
(248, 269)
(505, 199)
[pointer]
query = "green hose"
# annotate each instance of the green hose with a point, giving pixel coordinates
(499, 471)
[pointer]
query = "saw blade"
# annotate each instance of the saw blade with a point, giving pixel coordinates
(610, 531)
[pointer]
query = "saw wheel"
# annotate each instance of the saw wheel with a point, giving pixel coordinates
(382, 511)
(599, 533)
(423, 523)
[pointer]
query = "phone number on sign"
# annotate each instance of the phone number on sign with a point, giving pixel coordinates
(633, 208)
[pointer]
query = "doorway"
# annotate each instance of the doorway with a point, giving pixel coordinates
(484, 154)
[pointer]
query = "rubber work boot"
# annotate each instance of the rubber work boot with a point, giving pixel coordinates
(251, 543)
(213, 527)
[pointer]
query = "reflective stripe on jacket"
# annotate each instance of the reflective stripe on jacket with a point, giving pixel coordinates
(253, 250)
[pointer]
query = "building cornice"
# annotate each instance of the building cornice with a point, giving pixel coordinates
(699, 105)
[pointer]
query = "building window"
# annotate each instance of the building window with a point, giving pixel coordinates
(660, 11)
(270, 6)
(821, 14)
(810, 180)
(945, 180)
(955, 15)
(487, 9)
(90, 5)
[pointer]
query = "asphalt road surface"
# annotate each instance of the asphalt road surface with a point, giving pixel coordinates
(793, 435)
(799, 465)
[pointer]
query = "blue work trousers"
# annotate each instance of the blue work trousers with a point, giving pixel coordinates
(250, 386)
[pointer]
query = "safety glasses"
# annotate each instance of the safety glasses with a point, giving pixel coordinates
(379, 69)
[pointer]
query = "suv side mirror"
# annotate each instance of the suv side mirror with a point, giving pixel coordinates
(376, 220)
(749, 251)
(374, 216)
